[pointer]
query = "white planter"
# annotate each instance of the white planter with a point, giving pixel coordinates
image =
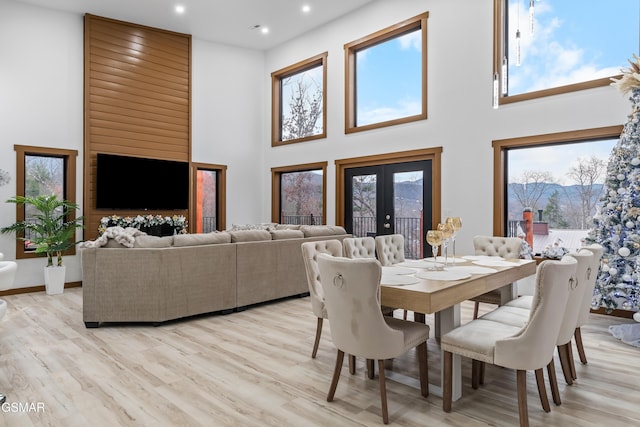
(54, 279)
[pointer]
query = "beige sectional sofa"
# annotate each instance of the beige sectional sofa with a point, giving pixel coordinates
(166, 278)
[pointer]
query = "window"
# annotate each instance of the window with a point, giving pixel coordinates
(386, 79)
(209, 209)
(298, 194)
(573, 45)
(299, 101)
(43, 171)
(549, 185)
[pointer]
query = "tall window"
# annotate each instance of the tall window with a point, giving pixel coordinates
(552, 184)
(42, 172)
(208, 212)
(299, 101)
(386, 81)
(299, 194)
(555, 46)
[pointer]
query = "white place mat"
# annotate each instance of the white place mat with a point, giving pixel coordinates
(392, 269)
(480, 257)
(443, 275)
(496, 263)
(398, 280)
(471, 269)
(450, 260)
(418, 263)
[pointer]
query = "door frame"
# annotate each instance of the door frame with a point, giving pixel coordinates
(434, 154)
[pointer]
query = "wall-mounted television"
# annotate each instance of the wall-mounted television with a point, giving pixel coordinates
(136, 183)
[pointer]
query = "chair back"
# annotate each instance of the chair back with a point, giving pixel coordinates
(505, 247)
(310, 251)
(7, 274)
(532, 348)
(587, 297)
(390, 249)
(574, 302)
(359, 247)
(352, 297)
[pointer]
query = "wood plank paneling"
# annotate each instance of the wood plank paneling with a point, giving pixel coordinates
(137, 100)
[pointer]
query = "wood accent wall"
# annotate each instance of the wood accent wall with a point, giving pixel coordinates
(137, 101)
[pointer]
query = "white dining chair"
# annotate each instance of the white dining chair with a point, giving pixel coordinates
(352, 297)
(530, 347)
(390, 249)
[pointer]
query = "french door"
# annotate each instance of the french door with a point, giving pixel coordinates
(390, 199)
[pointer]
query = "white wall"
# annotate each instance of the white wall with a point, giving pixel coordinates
(460, 114)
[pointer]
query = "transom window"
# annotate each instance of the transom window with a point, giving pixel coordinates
(386, 76)
(299, 101)
(299, 194)
(556, 46)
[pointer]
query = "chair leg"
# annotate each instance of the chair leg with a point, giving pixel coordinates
(564, 363)
(352, 364)
(476, 367)
(522, 398)
(447, 384)
(572, 363)
(404, 315)
(542, 390)
(553, 383)
(383, 392)
(476, 306)
(481, 377)
(336, 376)
(578, 335)
(317, 342)
(371, 369)
(424, 369)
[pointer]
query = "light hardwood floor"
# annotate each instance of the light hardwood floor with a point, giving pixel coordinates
(253, 368)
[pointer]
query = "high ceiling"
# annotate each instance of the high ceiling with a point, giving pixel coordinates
(233, 22)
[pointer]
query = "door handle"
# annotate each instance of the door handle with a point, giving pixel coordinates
(387, 225)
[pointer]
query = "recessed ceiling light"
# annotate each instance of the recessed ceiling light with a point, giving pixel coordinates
(264, 30)
(179, 9)
(306, 8)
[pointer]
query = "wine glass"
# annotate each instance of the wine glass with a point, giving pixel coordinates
(434, 238)
(447, 233)
(456, 223)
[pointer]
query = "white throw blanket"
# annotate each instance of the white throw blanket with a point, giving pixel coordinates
(125, 236)
(628, 333)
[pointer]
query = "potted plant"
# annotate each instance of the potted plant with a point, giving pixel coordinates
(51, 230)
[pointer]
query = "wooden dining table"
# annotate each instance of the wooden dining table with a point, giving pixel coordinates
(443, 297)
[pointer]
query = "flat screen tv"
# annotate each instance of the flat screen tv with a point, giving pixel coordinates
(135, 183)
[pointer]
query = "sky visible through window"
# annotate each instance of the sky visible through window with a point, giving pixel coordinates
(389, 80)
(572, 41)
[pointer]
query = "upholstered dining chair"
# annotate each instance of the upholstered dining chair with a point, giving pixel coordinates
(310, 251)
(359, 247)
(530, 347)
(7, 274)
(505, 247)
(352, 298)
(390, 249)
(585, 306)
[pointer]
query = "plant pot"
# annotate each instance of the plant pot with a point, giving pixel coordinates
(54, 279)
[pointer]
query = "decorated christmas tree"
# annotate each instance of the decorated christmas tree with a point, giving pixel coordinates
(617, 222)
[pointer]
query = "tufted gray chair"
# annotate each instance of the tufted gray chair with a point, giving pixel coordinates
(352, 295)
(359, 247)
(390, 249)
(310, 251)
(505, 247)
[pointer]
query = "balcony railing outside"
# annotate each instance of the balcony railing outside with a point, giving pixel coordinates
(209, 224)
(310, 219)
(410, 228)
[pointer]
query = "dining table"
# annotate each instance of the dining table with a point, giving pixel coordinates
(414, 285)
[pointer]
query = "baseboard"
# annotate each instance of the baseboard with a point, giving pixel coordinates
(40, 288)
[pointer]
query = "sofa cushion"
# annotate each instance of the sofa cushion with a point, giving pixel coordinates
(153, 242)
(249, 235)
(113, 243)
(288, 227)
(201, 239)
(286, 234)
(322, 230)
